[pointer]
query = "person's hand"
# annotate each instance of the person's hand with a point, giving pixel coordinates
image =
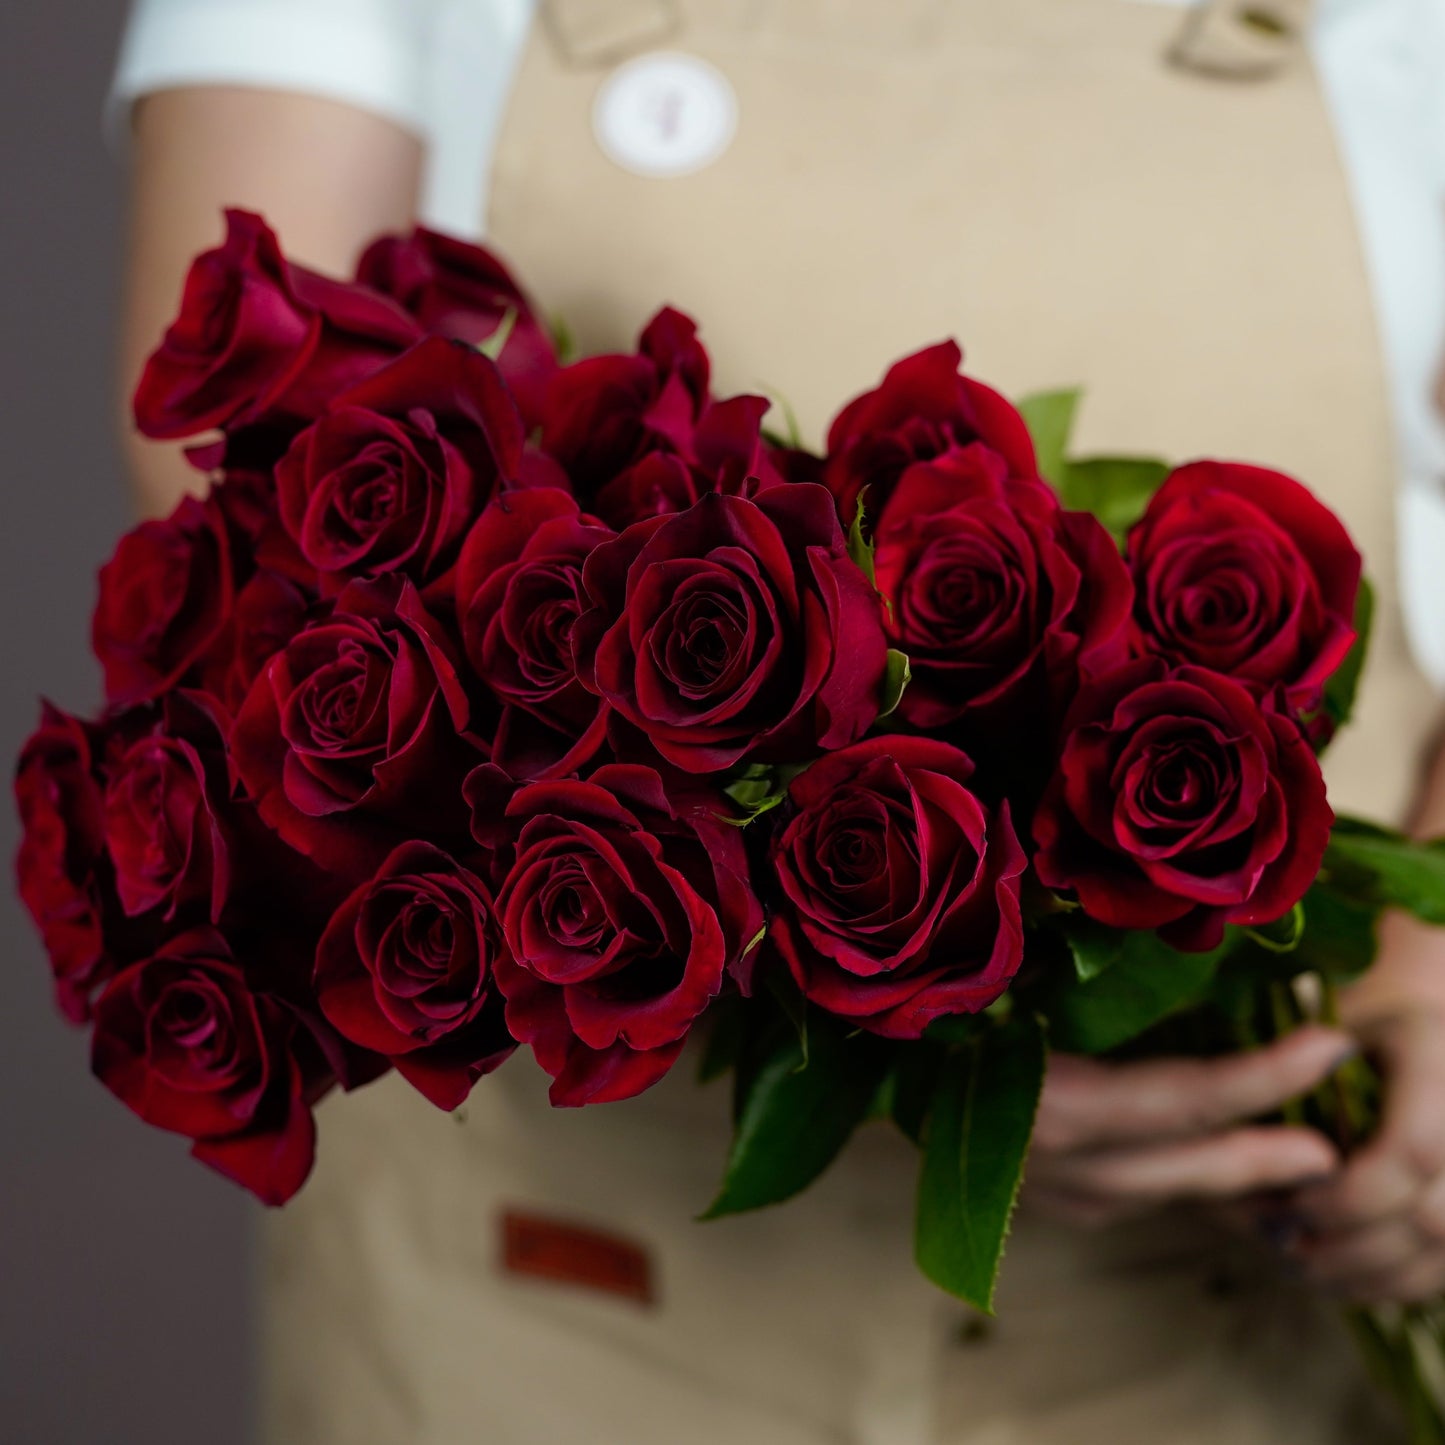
(1115, 1140)
(1375, 1232)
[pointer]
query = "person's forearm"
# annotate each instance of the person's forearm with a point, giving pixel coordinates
(1411, 964)
(327, 176)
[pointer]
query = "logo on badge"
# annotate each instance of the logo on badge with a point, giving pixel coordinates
(665, 114)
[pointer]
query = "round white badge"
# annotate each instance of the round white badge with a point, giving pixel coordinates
(665, 114)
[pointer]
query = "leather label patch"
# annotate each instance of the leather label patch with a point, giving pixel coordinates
(550, 1249)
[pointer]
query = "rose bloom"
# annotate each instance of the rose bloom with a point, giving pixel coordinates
(405, 969)
(898, 889)
(462, 291)
(1244, 571)
(1000, 598)
(922, 409)
(737, 629)
(641, 436)
(60, 867)
(166, 600)
(258, 337)
(184, 1041)
(1183, 804)
(165, 812)
(390, 476)
(354, 737)
(518, 596)
(622, 908)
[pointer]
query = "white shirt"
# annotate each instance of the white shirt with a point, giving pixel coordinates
(442, 69)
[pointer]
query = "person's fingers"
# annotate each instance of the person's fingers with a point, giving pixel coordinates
(1087, 1103)
(1080, 1211)
(1389, 1175)
(1217, 1166)
(1367, 1253)
(1421, 1279)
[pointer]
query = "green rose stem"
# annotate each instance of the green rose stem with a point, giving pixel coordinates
(1403, 1345)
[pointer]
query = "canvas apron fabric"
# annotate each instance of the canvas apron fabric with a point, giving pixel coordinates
(1032, 177)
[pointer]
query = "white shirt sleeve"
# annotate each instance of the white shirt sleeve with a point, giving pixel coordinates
(373, 54)
(440, 68)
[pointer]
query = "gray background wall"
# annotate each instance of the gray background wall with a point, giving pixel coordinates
(123, 1265)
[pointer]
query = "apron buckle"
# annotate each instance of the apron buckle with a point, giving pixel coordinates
(1241, 39)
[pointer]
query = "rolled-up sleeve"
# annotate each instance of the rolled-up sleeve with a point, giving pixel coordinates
(373, 54)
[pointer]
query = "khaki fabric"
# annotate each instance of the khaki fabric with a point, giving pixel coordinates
(1036, 178)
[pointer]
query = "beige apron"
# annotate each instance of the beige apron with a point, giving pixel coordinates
(1031, 177)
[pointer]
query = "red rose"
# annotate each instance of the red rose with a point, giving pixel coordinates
(519, 594)
(390, 476)
(184, 1042)
(165, 601)
(737, 629)
(1180, 803)
(61, 855)
(352, 739)
(258, 336)
(463, 291)
(999, 596)
(405, 969)
(899, 889)
(922, 409)
(622, 908)
(269, 611)
(640, 435)
(1243, 571)
(165, 792)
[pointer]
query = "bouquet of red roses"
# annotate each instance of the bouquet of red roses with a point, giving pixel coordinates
(488, 699)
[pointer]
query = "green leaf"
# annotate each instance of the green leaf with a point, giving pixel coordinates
(724, 1024)
(896, 677)
(1340, 690)
(1115, 489)
(794, 1119)
(1375, 865)
(493, 346)
(1143, 981)
(976, 1142)
(1283, 935)
(909, 1086)
(783, 987)
(1341, 935)
(1094, 946)
(1050, 419)
(563, 342)
(860, 548)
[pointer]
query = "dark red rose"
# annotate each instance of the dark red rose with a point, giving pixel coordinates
(61, 855)
(1243, 571)
(165, 601)
(899, 889)
(922, 409)
(184, 1042)
(269, 611)
(405, 969)
(640, 435)
(259, 337)
(737, 629)
(1000, 598)
(463, 291)
(519, 593)
(1181, 803)
(353, 738)
(392, 474)
(622, 908)
(165, 812)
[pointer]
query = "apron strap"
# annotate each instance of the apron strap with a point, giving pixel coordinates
(1242, 39)
(586, 33)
